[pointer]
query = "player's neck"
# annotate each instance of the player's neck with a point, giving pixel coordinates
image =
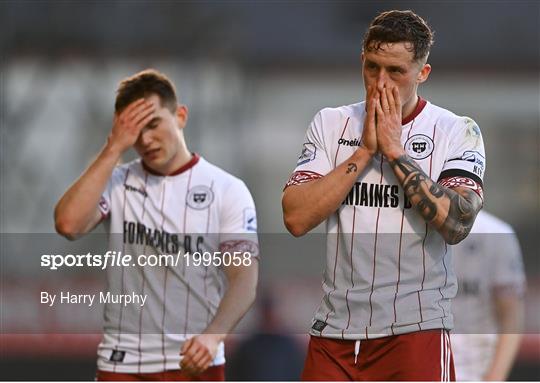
(182, 160)
(412, 109)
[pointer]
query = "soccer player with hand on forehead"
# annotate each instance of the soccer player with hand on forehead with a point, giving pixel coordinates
(168, 201)
(395, 178)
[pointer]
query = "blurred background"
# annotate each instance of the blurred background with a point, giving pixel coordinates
(253, 74)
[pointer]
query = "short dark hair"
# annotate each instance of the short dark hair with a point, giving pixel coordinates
(400, 26)
(144, 84)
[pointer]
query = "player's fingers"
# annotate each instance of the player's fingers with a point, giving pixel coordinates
(384, 101)
(391, 101)
(379, 111)
(397, 100)
(141, 110)
(127, 111)
(186, 346)
(200, 356)
(371, 111)
(144, 119)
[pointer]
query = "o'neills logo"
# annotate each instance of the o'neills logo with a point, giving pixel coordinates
(355, 142)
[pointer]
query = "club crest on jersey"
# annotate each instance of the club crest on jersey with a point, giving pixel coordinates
(419, 146)
(309, 151)
(200, 197)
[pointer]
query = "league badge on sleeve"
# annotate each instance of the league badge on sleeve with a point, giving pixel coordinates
(309, 151)
(419, 146)
(250, 219)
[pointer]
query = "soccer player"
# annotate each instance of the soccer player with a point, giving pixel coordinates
(396, 179)
(168, 201)
(489, 305)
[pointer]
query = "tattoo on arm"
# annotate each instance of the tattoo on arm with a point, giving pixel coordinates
(351, 167)
(427, 196)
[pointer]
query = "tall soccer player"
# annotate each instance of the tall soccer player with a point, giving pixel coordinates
(489, 306)
(396, 179)
(169, 201)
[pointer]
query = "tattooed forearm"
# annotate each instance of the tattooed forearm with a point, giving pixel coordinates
(461, 214)
(452, 212)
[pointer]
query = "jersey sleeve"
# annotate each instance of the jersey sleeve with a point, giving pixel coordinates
(104, 204)
(509, 275)
(313, 162)
(238, 220)
(466, 161)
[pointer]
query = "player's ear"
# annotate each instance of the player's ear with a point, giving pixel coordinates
(423, 74)
(182, 115)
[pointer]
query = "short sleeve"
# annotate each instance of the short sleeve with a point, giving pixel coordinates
(104, 204)
(466, 161)
(313, 162)
(238, 219)
(509, 275)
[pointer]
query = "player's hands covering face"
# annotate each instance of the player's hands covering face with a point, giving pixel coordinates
(129, 123)
(199, 352)
(369, 136)
(388, 112)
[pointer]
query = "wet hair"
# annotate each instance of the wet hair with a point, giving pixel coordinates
(400, 26)
(144, 84)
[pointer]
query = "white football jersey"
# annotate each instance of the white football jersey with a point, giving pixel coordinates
(488, 262)
(200, 208)
(388, 272)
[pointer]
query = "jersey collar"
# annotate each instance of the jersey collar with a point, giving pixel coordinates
(191, 163)
(419, 107)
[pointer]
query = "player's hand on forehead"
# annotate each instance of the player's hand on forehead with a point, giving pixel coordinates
(129, 123)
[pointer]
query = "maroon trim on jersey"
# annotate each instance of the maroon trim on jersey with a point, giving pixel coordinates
(460, 181)
(195, 157)
(143, 287)
(424, 242)
(122, 277)
(399, 249)
(420, 105)
(352, 270)
(375, 253)
(302, 177)
(335, 265)
(184, 269)
(445, 282)
(206, 267)
(185, 204)
(339, 145)
(164, 284)
(338, 230)
(399, 267)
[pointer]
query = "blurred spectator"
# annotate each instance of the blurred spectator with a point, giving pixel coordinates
(489, 306)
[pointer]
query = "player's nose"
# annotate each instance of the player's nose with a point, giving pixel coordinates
(382, 79)
(145, 137)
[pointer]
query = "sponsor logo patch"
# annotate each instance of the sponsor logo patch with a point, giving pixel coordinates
(139, 190)
(309, 152)
(250, 219)
(117, 356)
(319, 325)
(353, 142)
(477, 159)
(200, 197)
(419, 146)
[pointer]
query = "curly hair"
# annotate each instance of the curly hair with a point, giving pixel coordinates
(144, 84)
(400, 26)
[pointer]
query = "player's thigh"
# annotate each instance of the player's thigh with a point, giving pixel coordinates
(329, 359)
(418, 356)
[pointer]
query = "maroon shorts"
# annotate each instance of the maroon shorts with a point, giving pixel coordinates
(214, 373)
(422, 355)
